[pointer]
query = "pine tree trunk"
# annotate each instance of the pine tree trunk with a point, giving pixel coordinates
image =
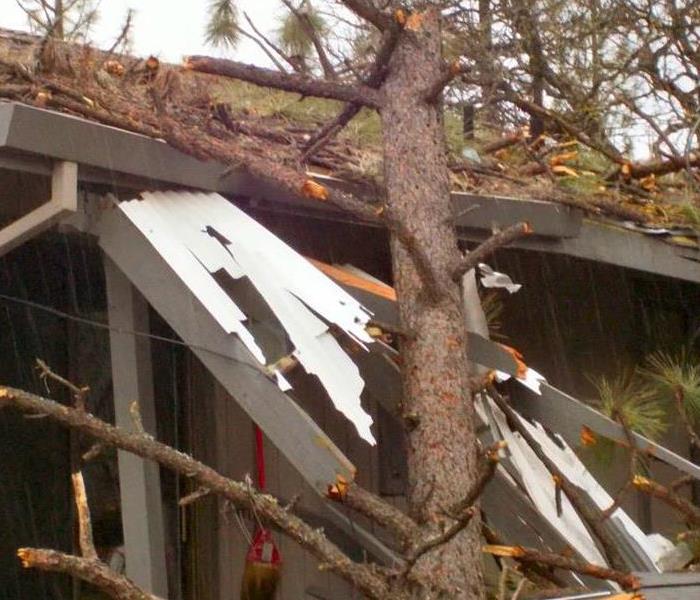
(437, 406)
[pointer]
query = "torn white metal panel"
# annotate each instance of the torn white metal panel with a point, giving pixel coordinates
(567, 461)
(540, 487)
(183, 212)
(190, 271)
(316, 348)
(295, 273)
(495, 279)
(199, 234)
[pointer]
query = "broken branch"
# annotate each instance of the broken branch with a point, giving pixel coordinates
(496, 241)
(690, 511)
(550, 559)
(372, 506)
(90, 570)
(368, 12)
(238, 493)
(433, 93)
(373, 80)
(311, 33)
(488, 470)
(288, 82)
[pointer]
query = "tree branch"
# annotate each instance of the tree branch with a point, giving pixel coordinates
(496, 241)
(430, 544)
(313, 540)
(383, 513)
(689, 510)
(463, 511)
(433, 92)
(373, 80)
(312, 34)
(288, 82)
(367, 11)
(488, 470)
(90, 570)
(267, 41)
(550, 559)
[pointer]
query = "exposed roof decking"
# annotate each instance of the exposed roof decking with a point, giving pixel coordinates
(29, 136)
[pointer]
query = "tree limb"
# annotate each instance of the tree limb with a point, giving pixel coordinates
(488, 470)
(380, 511)
(267, 41)
(373, 80)
(313, 540)
(496, 241)
(430, 544)
(433, 92)
(288, 82)
(87, 569)
(367, 11)
(525, 555)
(689, 510)
(312, 34)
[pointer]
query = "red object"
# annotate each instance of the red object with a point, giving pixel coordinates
(263, 549)
(263, 565)
(263, 562)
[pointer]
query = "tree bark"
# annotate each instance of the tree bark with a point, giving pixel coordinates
(442, 457)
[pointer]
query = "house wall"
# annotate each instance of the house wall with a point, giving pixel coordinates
(221, 434)
(572, 318)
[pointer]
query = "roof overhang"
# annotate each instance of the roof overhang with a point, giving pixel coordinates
(32, 139)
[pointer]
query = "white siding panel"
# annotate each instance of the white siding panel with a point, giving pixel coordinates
(296, 291)
(190, 271)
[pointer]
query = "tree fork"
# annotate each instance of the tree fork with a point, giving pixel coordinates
(442, 451)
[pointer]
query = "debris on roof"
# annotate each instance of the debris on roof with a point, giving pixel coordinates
(247, 123)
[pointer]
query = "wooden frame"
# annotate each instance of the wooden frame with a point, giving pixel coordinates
(63, 202)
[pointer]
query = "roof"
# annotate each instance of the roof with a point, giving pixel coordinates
(108, 125)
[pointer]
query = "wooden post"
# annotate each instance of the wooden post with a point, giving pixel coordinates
(132, 377)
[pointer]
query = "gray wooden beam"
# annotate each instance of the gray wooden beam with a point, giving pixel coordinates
(139, 480)
(286, 424)
(488, 212)
(63, 202)
(613, 244)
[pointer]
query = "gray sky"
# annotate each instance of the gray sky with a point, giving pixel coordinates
(169, 29)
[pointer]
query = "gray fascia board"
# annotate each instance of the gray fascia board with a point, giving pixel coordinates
(547, 219)
(612, 244)
(124, 154)
(6, 111)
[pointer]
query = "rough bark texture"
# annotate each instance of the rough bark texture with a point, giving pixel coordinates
(442, 458)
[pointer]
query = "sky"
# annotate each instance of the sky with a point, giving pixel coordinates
(169, 29)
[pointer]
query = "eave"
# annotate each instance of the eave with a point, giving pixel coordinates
(31, 139)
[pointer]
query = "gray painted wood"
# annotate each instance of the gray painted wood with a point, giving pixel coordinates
(139, 480)
(613, 244)
(313, 454)
(63, 202)
(488, 212)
